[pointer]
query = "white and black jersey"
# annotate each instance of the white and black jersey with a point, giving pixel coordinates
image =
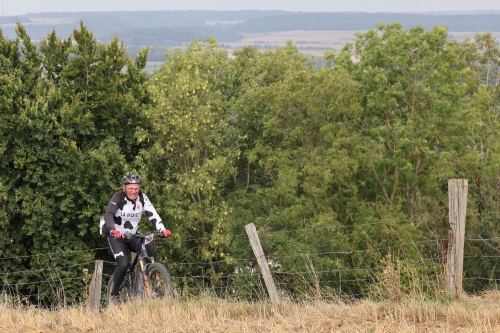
(124, 214)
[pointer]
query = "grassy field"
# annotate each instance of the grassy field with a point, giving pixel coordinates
(470, 314)
(316, 42)
(311, 43)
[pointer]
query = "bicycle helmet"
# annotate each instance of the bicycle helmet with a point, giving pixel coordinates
(131, 178)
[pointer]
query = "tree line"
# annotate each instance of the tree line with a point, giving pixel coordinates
(327, 162)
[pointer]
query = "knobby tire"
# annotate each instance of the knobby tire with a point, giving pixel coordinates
(159, 281)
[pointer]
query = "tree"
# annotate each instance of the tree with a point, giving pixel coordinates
(64, 150)
(297, 173)
(421, 103)
(416, 111)
(196, 146)
(482, 56)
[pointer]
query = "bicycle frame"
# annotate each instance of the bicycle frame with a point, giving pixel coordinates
(140, 256)
(144, 277)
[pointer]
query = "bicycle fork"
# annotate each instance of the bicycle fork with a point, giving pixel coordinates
(145, 279)
(147, 283)
(151, 285)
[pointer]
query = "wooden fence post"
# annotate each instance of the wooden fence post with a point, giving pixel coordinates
(261, 259)
(95, 287)
(457, 199)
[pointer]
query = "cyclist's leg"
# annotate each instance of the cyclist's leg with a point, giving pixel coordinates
(135, 246)
(151, 250)
(119, 250)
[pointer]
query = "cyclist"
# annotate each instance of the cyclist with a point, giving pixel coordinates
(123, 214)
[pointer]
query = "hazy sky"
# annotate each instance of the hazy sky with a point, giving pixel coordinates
(20, 7)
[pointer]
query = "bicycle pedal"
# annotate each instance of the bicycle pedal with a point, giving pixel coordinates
(115, 300)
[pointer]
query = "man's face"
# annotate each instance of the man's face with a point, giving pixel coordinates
(132, 191)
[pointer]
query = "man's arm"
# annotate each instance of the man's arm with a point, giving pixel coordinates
(113, 205)
(152, 215)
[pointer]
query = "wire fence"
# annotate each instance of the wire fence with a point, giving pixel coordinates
(244, 281)
(330, 280)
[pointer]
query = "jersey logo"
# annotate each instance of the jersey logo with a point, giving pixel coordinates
(138, 206)
(114, 203)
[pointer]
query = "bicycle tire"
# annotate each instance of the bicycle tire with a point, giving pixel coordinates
(126, 291)
(159, 280)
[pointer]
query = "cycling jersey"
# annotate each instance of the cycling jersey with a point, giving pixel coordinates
(124, 214)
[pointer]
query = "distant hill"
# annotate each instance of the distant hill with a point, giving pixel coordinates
(166, 36)
(365, 21)
(459, 12)
(199, 23)
(145, 19)
(175, 28)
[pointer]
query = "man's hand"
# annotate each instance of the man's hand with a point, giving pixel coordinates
(167, 233)
(116, 234)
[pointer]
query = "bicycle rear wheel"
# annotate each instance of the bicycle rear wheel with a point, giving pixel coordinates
(159, 280)
(126, 290)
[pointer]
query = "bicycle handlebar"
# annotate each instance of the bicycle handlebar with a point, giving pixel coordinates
(139, 235)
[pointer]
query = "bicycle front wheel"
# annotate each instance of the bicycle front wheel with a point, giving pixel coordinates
(159, 280)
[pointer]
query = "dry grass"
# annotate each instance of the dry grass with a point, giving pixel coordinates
(470, 314)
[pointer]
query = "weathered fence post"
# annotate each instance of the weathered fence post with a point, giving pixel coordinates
(457, 198)
(95, 287)
(261, 259)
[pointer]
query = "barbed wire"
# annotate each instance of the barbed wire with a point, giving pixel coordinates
(55, 253)
(247, 260)
(163, 241)
(476, 257)
(274, 258)
(46, 269)
(482, 239)
(481, 278)
(58, 280)
(264, 233)
(245, 274)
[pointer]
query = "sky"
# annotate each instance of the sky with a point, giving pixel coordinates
(21, 7)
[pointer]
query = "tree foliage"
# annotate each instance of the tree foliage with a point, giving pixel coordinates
(63, 112)
(342, 169)
(196, 146)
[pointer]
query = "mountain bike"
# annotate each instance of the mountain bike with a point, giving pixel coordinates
(145, 277)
